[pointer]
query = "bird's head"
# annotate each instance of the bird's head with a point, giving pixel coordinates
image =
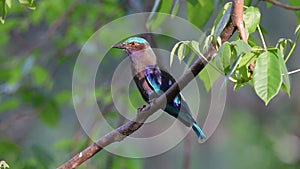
(133, 44)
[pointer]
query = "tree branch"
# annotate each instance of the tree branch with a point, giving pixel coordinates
(289, 7)
(130, 127)
(237, 18)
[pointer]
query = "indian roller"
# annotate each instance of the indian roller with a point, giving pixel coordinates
(153, 82)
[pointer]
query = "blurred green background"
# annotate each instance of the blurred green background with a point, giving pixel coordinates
(38, 124)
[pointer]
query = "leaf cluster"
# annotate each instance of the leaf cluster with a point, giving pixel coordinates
(262, 67)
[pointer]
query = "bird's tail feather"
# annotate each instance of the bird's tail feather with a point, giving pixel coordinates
(198, 131)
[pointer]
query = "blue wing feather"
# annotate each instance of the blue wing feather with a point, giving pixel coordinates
(153, 76)
(160, 82)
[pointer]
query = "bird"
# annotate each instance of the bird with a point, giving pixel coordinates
(152, 81)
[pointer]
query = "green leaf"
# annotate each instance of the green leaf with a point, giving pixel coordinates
(63, 97)
(220, 14)
(238, 86)
(296, 12)
(3, 11)
(63, 144)
(40, 75)
(247, 2)
(155, 20)
(208, 41)
(224, 54)
(267, 76)
(121, 162)
(9, 104)
(194, 45)
(232, 70)
(201, 8)
(253, 42)
(173, 52)
(35, 97)
(241, 47)
(282, 44)
(284, 71)
(297, 29)
(15, 76)
(8, 147)
(8, 3)
(269, 4)
(30, 4)
(247, 59)
(251, 18)
(49, 113)
(284, 88)
(242, 75)
(181, 52)
(223, 22)
(175, 7)
(294, 2)
(209, 75)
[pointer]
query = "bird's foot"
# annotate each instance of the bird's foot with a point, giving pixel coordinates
(145, 107)
(141, 108)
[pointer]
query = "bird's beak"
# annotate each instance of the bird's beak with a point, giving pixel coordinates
(120, 46)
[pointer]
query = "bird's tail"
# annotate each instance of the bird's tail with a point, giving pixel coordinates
(198, 131)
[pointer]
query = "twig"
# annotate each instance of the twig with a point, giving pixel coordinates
(237, 18)
(289, 7)
(292, 49)
(294, 71)
(262, 37)
(130, 127)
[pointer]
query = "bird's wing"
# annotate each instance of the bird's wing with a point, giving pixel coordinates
(154, 78)
(160, 81)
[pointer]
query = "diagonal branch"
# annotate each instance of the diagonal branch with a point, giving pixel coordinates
(130, 127)
(237, 18)
(289, 7)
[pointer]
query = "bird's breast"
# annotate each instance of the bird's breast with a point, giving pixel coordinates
(141, 83)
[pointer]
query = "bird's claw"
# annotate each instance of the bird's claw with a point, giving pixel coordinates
(141, 108)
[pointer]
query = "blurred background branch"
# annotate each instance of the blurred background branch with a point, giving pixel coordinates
(289, 7)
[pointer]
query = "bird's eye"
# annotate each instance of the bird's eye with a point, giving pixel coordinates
(133, 44)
